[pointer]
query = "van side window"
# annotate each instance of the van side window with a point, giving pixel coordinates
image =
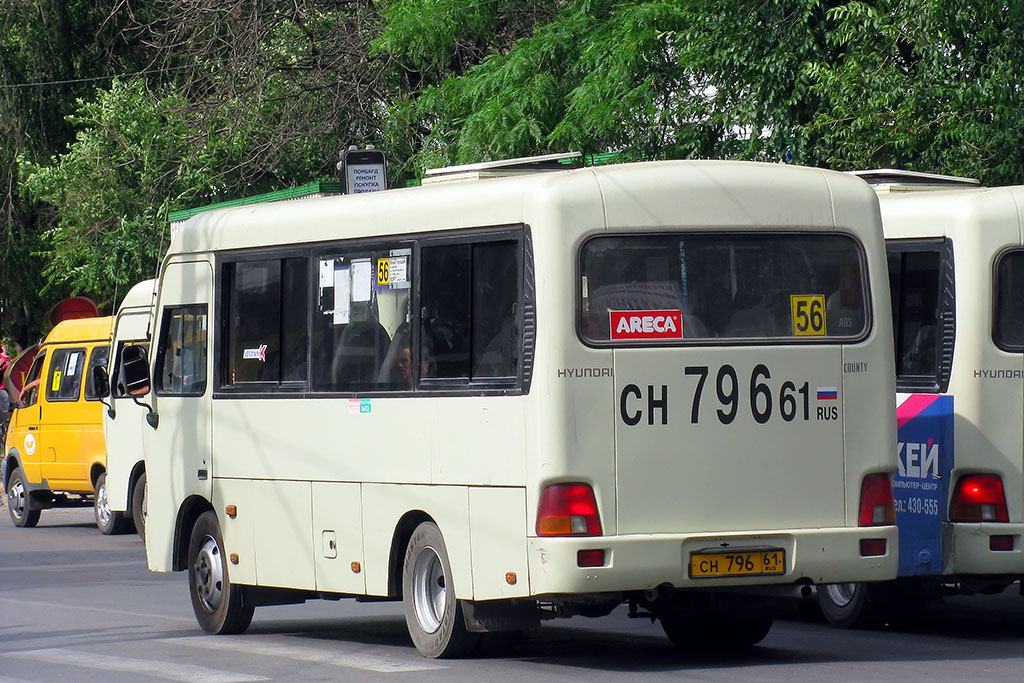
(265, 325)
(920, 284)
(98, 357)
(64, 382)
(30, 390)
(471, 305)
(181, 353)
(1008, 322)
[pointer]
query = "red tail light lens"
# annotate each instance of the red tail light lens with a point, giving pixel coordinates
(876, 503)
(979, 498)
(568, 510)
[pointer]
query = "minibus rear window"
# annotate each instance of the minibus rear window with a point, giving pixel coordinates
(1008, 323)
(677, 288)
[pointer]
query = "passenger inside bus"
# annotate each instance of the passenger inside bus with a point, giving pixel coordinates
(396, 372)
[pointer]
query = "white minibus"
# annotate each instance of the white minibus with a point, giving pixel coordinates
(665, 385)
(956, 269)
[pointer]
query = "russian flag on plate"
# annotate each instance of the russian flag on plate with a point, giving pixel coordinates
(828, 393)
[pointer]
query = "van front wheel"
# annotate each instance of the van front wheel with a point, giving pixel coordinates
(17, 501)
(220, 606)
(432, 613)
(108, 521)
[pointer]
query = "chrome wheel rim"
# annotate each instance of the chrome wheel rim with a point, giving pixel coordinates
(841, 593)
(102, 505)
(16, 498)
(429, 590)
(209, 573)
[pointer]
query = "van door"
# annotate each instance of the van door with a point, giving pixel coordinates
(23, 435)
(124, 427)
(179, 457)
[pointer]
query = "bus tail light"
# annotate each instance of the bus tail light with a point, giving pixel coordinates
(876, 501)
(979, 498)
(568, 510)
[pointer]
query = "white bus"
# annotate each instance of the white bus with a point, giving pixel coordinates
(956, 267)
(123, 424)
(501, 401)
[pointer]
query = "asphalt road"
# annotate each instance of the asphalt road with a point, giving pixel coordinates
(79, 606)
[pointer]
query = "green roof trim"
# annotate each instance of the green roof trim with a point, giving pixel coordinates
(325, 187)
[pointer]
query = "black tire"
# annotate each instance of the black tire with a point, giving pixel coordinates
(220, 606)
(715, 633)
(139, 506)
(107, 521)
(848, 605)
(433, 615)
(17, 501)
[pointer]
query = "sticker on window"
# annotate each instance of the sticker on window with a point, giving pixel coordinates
(626, 325)
(808, 315)
(55, 385)
(259, 353)
(72, 364)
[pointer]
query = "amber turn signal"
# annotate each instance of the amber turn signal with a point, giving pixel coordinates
(231, 511)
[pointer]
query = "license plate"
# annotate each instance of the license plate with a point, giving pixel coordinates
(739, 562)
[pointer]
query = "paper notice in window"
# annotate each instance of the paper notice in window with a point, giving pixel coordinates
(342, 298)
(362, 274)
(399, 270)
(72, 364)
(326, 273)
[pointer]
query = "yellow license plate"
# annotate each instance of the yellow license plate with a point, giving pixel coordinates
(738, 562)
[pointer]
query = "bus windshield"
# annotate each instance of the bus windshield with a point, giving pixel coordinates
(669, 288)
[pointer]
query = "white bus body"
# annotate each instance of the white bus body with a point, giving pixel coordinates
(643, 422)
(960, 358)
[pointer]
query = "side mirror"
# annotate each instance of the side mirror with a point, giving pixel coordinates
(135, 371)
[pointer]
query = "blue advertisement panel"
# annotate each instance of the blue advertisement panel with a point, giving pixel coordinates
(925, 447)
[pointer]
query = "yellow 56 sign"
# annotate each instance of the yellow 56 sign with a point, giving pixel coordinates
(383, 271)
(808, 315)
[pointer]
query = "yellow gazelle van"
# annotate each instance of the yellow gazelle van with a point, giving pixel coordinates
(55, 455)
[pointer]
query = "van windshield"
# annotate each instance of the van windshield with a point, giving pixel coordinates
(680, 287)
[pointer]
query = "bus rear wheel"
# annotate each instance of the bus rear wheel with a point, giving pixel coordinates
(108, 521)
(220, 607)
(715, 632)
(433, 615)
(17, 501)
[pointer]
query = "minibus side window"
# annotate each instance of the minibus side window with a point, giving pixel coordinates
(98, 357)
(922, 291)
(118, 390)
(670, 288)
(361, 330)
(1008, 323)
(65, 377)
(181, 353)
(470, 295)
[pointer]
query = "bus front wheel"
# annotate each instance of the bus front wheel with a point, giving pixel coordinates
(432, 612)
(220, 607)
(847, 605)
(108, 521)
(139, 506)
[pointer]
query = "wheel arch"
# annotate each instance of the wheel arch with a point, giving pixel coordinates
(399, 542)
(188, 513)
(95, 470)
(11, 463)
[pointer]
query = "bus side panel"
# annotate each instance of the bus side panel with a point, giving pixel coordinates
(284, 543)
(238, 533)
(383, 507)
(338, 538)
(497, 520)
(477, 441)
